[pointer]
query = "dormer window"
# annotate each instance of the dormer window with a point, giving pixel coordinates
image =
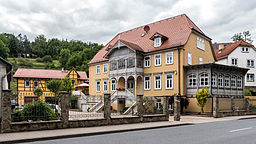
(245, 49)
(157, 42)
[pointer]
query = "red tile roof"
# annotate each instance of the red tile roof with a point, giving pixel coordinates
(177, 29)
(43, 73)
(229, 48)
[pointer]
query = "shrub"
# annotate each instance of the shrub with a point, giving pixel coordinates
(39, 110)
(17, 115)
(38, 92)
(47, 58)
(39, 59)
(24, 63)
(124, 109)
(248, 92)
(201, 97)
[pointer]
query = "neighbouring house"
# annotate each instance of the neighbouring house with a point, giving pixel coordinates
(30, 79)
(240, 54)
(148, 60)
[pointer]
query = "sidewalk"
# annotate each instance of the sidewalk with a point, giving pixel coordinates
(88, 131)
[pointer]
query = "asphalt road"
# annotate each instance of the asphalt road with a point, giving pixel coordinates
(227, 132)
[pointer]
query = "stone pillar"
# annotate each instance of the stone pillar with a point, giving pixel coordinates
(247, 104)
(232, 104)
(140, 108)
(107, 106)
(165, 107)
(215, 107)
(6, 111)
(64, 108)
(176, 108)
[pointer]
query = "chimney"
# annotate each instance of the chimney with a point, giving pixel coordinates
(221, 46)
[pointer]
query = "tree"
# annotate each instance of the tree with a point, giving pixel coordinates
(12, 44)
(245, 36)
(74, 60)
(66, 84)
(55, 87)
(64, 56)
(47, 58)
(39, 46)
(38, 92)
(201, 97)
(4, 50)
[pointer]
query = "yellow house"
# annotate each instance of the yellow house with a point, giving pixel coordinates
(30, 79)
(149, 60)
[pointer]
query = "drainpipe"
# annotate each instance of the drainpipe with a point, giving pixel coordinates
(178, 71)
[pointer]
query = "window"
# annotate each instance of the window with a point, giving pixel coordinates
(157, 42)
(147, 61)
(158, 103)
(35, 83)
(189, 58)
(234, 61)
(169, 81)
(105, 68)
(214, 80)
(250, 77)
(239, 82)
(113, 85)
(220, 80)
(113, 65)
(97, 69)
(157, 81)
(73, 81)
(204, 79)
(250, 63)
(227, 82)
(147, 82)
(121, 64)
(130, 62)
(157, 59)
(200, 60)
(233, 82)
(97, 86)
(200, 43)
(245, 49)
(192, 80)
(105, 85)
(169, 58)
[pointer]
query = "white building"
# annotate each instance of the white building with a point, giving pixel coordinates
(241, 54)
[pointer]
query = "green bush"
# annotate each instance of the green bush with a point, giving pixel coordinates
(39, 59)
(17, 115)
(39, 110)
(24, 63)
(47, 58)
(248, 92)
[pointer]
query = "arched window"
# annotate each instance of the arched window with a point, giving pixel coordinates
(220, 80)
(233, 82)
(227, 81)
(192, 80)
(214, 80)
(204, 79)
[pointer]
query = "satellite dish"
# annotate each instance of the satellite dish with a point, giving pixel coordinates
(146, 28)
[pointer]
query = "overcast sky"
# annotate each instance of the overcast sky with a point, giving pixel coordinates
(100, 20)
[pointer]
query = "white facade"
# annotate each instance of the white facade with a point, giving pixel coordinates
(242, 57)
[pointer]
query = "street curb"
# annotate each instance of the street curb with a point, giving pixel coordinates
(89, 134)
(247, 118)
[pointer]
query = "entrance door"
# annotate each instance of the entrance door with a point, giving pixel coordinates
(130, 85)
(120, 104)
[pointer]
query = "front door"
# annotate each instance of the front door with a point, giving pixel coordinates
(120, 104)
(130, 85)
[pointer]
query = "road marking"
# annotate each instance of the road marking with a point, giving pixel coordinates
(236, 130)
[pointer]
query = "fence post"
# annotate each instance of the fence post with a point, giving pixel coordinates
(107, 107)
(232, 104)
(64, 108)
(215, 107)
(247, 104)
(6, 111)
(140, 108)
(165, 107)
(176, 108)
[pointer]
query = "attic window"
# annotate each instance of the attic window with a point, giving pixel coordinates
(245, 49)
(157, 42)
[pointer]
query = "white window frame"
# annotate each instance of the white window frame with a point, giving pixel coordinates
(220, 81)
(97, 85)
(214, 80)
(157, 59)
(192, 80)
(105, 85)
(200, 60)
(105, 68)
(157, 42)
(147, 63)
(245, 49)
(147, 83)
(250, 77)
(250, 63)
(25, 83)
(170, 81)
(233, 82)
(169, 58)
(234, 61)
(203, 79)
(200, 43)
(113, 85)
(227, 81)
(189, 58)
(239, 82)
(155, 82)
(158, 103)
(97, 69)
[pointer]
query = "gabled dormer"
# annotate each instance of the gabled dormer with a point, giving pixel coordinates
(158, 39)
